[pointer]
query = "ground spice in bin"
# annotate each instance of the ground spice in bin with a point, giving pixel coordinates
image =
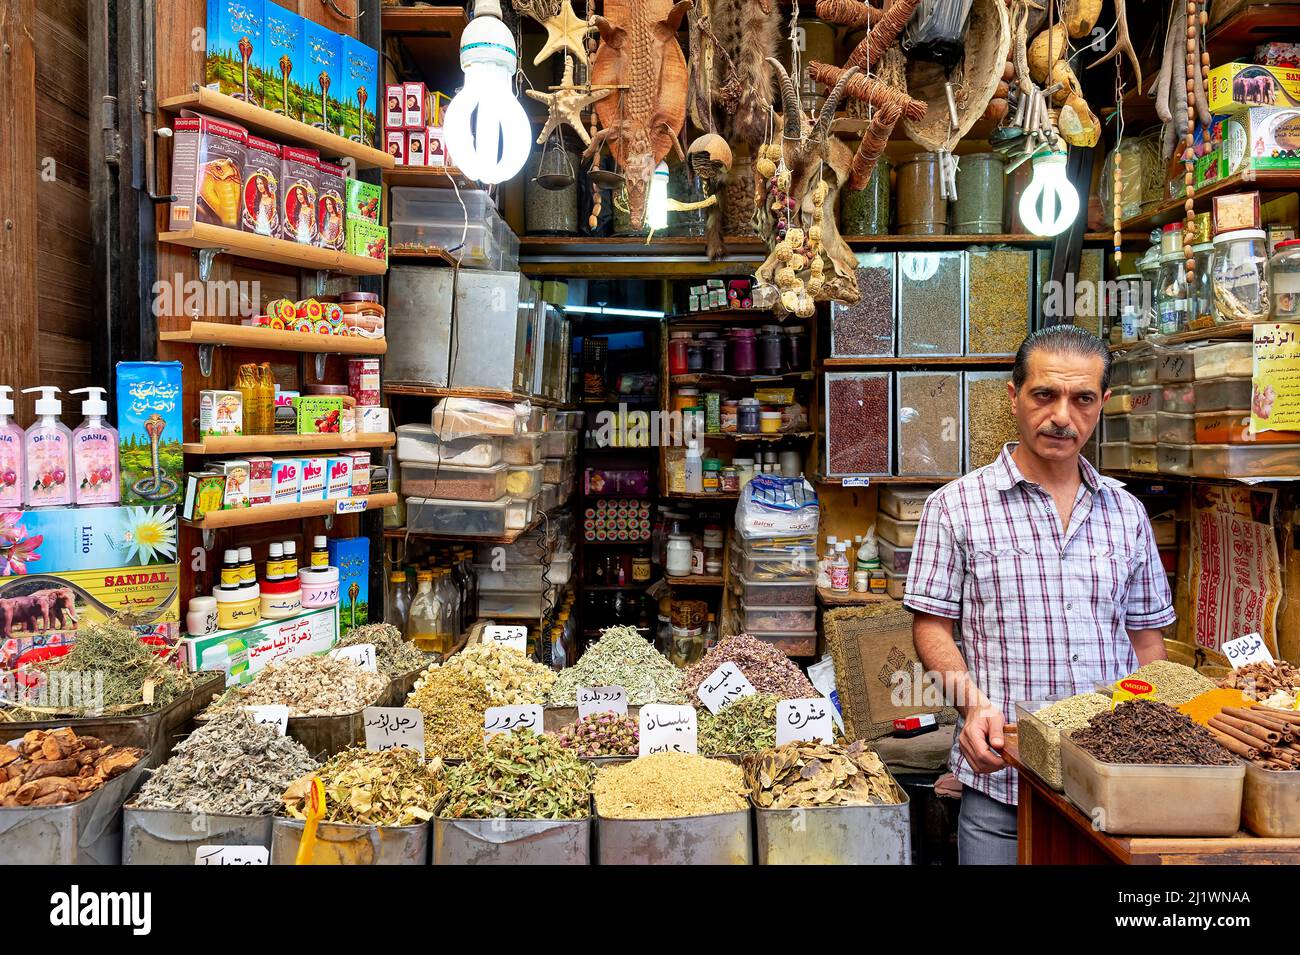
(57, 767)
(805, 775)
(453, 709)
(1143, 731)
(747, 725)
(509, 677)
(519, 775)
(230, 765)
(669, 786)
(1206, 706)
(392, 787)
(766, 668)
(621, 657)
(602, 734)
(309, 686)
(394, 655)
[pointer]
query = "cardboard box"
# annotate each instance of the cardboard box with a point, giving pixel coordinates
(259, 479)
(351, 555)
(435, 153)
(299, 187)
(372, 420)
(394, 106)
(338, 483)
(259, 206)
(286, 480)
(204, 491)
(363, 200)
(395, 143)
(414, 115)
(207, 172)
(313, 479)
(319, 414)
(281, 64)
(360, 472)
(329, 206)
(363, 381)
(235, 38)
(417, 142)
(238, 480)
(1260, 138)
(242, 654)
(220, 412)
(323, 86)
(366, 238)
(1238, 86)
(360, 92)
(149, 413)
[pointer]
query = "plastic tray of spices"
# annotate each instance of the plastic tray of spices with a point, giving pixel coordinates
(1174, 459)
(1225, 360)
(1142, 459)
(1142, 429)
(1119, 402)
(899, 533)
(893, 558)
(1049, 737)
(462, 518)
(1115, 456)
(1143, 367)
(776, 593)
(1115, 428)
(1145, 400)
(1177, 364)
(1178, 398)
(1222, 394)
(1270, 802)
(454, 482)
(523, 449)
(1175, 428)
(1246, 460)
(1140, 799)
(784, 619)
(1233, 427)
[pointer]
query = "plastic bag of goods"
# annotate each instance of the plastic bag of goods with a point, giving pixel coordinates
(772, 506)
(462, 417)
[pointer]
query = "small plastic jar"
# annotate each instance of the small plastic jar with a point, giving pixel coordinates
(770, 422)
(794, 351)
(320, 587)
(717, 349)
(744, 360)
(744, 470)
(730, 480)
(237, 608)
(1241, 276)
(685, 398)
(678, 343)
(770, 350)
(678, 562)
(1285, 266)
(747, 416)
(711, 475)
(695, 357)
(280, 599)
(201, 616)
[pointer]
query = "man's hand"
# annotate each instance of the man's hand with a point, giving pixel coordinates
(981, 739)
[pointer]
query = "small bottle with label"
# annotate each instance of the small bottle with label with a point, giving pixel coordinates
(12, 467)
(290, 559)
(94, 452)
(840, 569)
(47, 453)
(275, 562)
(320, 556)
(231, 576)
(247, 571)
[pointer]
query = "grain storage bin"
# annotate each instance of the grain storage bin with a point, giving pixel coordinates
(718, 839)
(900, 533)
(1115, 457)
(1142, 459)
(1145, 400)
(929, 420)
(1142, 429)
(340, 844)
(501, 841)
(1225, 360)
(859, 409)
(1233, 427)
(999, 300)
(1177, 363)
(1143, 368)
(866, 329)
(1119, 402)
(1179, 398)
(524, 481)
(454, 482)
(835, 835)
(523, 448)
(931, 304)
(1246, 460)
(1175, 428)
(777, 593)
(1270, 802)
(457, 518)
(903, 502)
(1222, 394)
(1115, 428)
(420, 444)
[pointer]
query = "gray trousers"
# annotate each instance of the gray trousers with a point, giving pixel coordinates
(986, 830)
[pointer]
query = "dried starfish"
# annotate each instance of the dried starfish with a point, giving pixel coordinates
(566, 104)
(565, 31)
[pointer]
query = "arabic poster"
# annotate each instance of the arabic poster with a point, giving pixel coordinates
(1275, 384)
(1236, 573)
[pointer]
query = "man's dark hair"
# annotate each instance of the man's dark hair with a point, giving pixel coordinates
(1062, 339)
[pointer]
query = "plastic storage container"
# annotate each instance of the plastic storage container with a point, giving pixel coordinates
(866, 329)
(1270, 801)
(1145, 400)
(453, 482)
(510, 603)
(524, 481)
(525, 577)
(421, 217)
(859, 409)
(931, 304)
(894, 559)
(1048, 736)
(902, 502)
(1146, 800)
(1233, 427)
(900, 533)
(460, 518)
(1241, 276)
(523, 448)
(1225, 360)
(1120, 401)
(1285, 269)
(1115, 457)
(1115, 428)
(785, 563)
(929, 438)
(999, 300)
(1142, 459)
(557, 470)
(1222, 394)
(520, 512)
(1175, 428)
(1179, 398)
(1177, 363)
(1174, 459)
(420, 444)
(778, 593)
(1144, 368)
(1246, 460)
(782, 619)
(560, 444)
(1142, 428)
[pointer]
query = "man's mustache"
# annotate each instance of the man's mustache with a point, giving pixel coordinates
(1052, 431)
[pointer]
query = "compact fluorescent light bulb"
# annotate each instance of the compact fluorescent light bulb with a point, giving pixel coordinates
(1050, 203)
(487, 131)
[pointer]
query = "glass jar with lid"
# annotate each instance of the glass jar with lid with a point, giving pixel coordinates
(678, 343)
(1171, 239)
(1171, 295)
(1241, 276)
(795, 348)
(744, 360)
(1285, 268)
(1200, 297)
(694, 356)
(1149, 270)
(770, 350)
(717, 352)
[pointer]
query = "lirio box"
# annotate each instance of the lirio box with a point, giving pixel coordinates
(360, 90)
(363, 200)
(360, 472)
(286, 480)
(351, 555)
(323, 80)
(242, 654)
(282, 63)
(366, 238)
(260, 470)
(339, 478)
(149, 416)
(313, 479)
(235, 38)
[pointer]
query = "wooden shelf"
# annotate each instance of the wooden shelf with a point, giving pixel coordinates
(1251, 25)
(964, 361)
(269, 513)
(431, 177)
(831, 599)
(737, 436)
(409, 390)
(702, 377)
(887, 479)
(701, 496)
(285, 443)
(429, 35)
(401, 533)
(1266, 181)
(551, 245)
(694, 580)
(263, 248)
(424, 20)
(280, 129)
(1161, 477)
(1217, 332)
(863, 241)
(247, 336)
(726, 315)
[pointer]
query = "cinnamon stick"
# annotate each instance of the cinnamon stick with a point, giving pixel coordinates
(1254, 729)
(1262, 715)
(1252, 741)
(1235, 746)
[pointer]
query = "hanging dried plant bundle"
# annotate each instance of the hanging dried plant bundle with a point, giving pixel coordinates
(883, 35)
(873, 144)
(848, 13)
(869, 90)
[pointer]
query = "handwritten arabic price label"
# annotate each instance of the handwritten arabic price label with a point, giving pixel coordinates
(232, 855)
(514, 637)
(724, 686)
(601, 699)
(272, 714)
(667, 729)
(1247, 649)
(805, 720)
(363, 655)
(351, 505)
(394, 727)
(505, 719)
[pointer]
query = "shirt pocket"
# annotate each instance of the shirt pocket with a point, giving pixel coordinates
(1005, 588)
(1106, 574)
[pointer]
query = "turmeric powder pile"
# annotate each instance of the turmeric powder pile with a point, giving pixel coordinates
(1203, 708)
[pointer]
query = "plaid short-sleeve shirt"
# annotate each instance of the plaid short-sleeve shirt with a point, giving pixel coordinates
(1043, 611)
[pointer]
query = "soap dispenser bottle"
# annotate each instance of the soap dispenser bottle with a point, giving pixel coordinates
(47, 450)
(94, 452)
(12, 467)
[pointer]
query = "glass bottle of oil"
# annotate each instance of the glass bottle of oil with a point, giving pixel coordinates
(445, 592)
(423, 619)
(266, 398)
(246, 385)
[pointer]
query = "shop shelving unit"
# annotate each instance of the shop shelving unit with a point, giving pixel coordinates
(269, 513)
(238, 444)
(214, 240)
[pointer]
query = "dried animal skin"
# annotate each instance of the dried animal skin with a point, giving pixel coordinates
(309, 686)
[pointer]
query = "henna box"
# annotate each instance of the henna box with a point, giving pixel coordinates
(260, 199)
(299, 186)
(330, 208)
(207, 172)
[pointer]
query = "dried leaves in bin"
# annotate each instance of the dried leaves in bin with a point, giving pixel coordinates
(519, 775)
(808, 775)
(509, 677)
(309, 686)
(746, 726)
(393, 787)
(394, 655)
(621, 657)
(453, 711)
(57, 767)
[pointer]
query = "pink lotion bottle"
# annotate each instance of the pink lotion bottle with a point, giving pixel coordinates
(94, 452)
(47, 449)
(11, 455)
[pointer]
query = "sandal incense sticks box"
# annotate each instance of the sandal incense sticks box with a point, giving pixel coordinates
(329, 207)
(260, 201)
(360, 92)
(299, 186)
(282, 63)
(207, 172)
(323, 85)
(235, 37)
(150, 425)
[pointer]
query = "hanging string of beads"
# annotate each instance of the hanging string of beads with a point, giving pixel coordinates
(1196, 20)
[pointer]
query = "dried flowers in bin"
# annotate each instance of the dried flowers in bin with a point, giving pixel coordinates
(519, 775)
(766, 668)
(602, 734)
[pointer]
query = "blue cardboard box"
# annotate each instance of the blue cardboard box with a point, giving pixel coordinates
(282, 66)
(322, 82)
(150, 425)
(351, 555)
(235, 37)
(360, 91)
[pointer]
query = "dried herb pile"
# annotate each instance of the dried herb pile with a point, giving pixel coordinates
(668, 786)
(602, 734)
(1143, 731)
(309, 686)
(453, 711)
(808, 775)
(1040, 738)
(519, 775)
(131, 670)
(1173, 682)
(508, 676)
(621, 657)
(364, 788)
(394, 655)
(58, 767)
(765, 667)
(230, 765)
(746, 726)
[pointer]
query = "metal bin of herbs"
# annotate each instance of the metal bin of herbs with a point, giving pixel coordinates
(556, 718)
(1270, 802)
(716, 839)
(342, 844)
(170, 837)
(500, 841)
(323, 736)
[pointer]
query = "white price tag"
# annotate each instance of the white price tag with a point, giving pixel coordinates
(514, 637)
(807, 720)
(1247, 649)
(855, 482)
(667, 729)
(351, 505)
(601, 699)
(724, 686)
(272, 714)
(394, 727)
(232, 855)
(363, 655)
(504, 719)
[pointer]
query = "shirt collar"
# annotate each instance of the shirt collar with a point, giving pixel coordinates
(1008, 475)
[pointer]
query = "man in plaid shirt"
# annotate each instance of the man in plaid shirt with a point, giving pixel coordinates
(1051, 569)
